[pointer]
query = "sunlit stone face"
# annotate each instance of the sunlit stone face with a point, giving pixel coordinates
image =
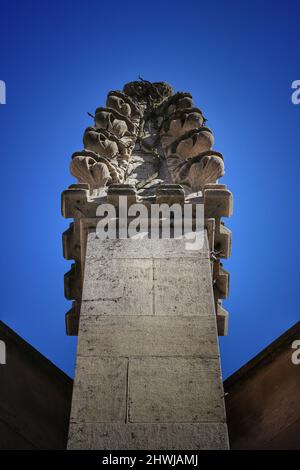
(119, 105)
(201, 141)
(106, 120)
(87, 169)
(207, 170)
(98, 142)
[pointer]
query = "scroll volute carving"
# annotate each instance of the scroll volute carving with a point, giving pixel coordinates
(124, 105)
(183, 120)
(145, 91)
(206, 168)
(174, 103)
(180, 123)
(196, 172)
(100, 142)
(98, 172)
(111, 120)
(151, 111)
(106, 144)
(191, 143)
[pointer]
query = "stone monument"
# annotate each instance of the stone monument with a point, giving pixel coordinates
(146, 309)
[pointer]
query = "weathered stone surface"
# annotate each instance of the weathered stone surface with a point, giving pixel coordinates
(72, 319)
(113, 284)
(191, 143)
(189, 293)
(223, 241)
(115, 191)
(76, 204)
(198, 171)
(100, 390)
(221, 277)
(218, 202)
(130, 248)
(73, 282)
(146, 336)
(68, 242)
(170, 194)
(222, 321)
(168, 436)
(175, 389)
(87, 169)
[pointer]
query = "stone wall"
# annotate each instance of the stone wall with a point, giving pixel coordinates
(35, 398)
(262, 398)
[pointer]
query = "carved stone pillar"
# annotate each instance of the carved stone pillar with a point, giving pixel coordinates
(147, 311)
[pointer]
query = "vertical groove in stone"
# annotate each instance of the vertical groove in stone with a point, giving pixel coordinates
(153, 287)
(127, 392)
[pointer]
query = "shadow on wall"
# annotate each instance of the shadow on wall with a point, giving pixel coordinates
(35, 397)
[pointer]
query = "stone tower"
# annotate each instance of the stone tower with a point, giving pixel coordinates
(146, 309)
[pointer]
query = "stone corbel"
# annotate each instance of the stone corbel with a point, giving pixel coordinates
(72, 319)
(170, 194)
(116, 190)
(76, 202)
(73, 282)
(222, 320)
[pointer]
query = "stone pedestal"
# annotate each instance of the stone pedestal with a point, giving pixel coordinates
(147, 371)
(148, 313)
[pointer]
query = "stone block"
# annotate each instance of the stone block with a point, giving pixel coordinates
(167, 436)
(222, 321)
(175, 389)
(183, 286)
(221, 278)
(130, 248)
(75, 203)
(67, 242)
(210, 228)
(145, 335)
(99, 393)
(120, 286)
(223, 241)
(116, 190)
(73, 282)
(218, 203)
(72, 320)
(170, 194)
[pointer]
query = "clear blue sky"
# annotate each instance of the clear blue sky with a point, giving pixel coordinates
(238, 59)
